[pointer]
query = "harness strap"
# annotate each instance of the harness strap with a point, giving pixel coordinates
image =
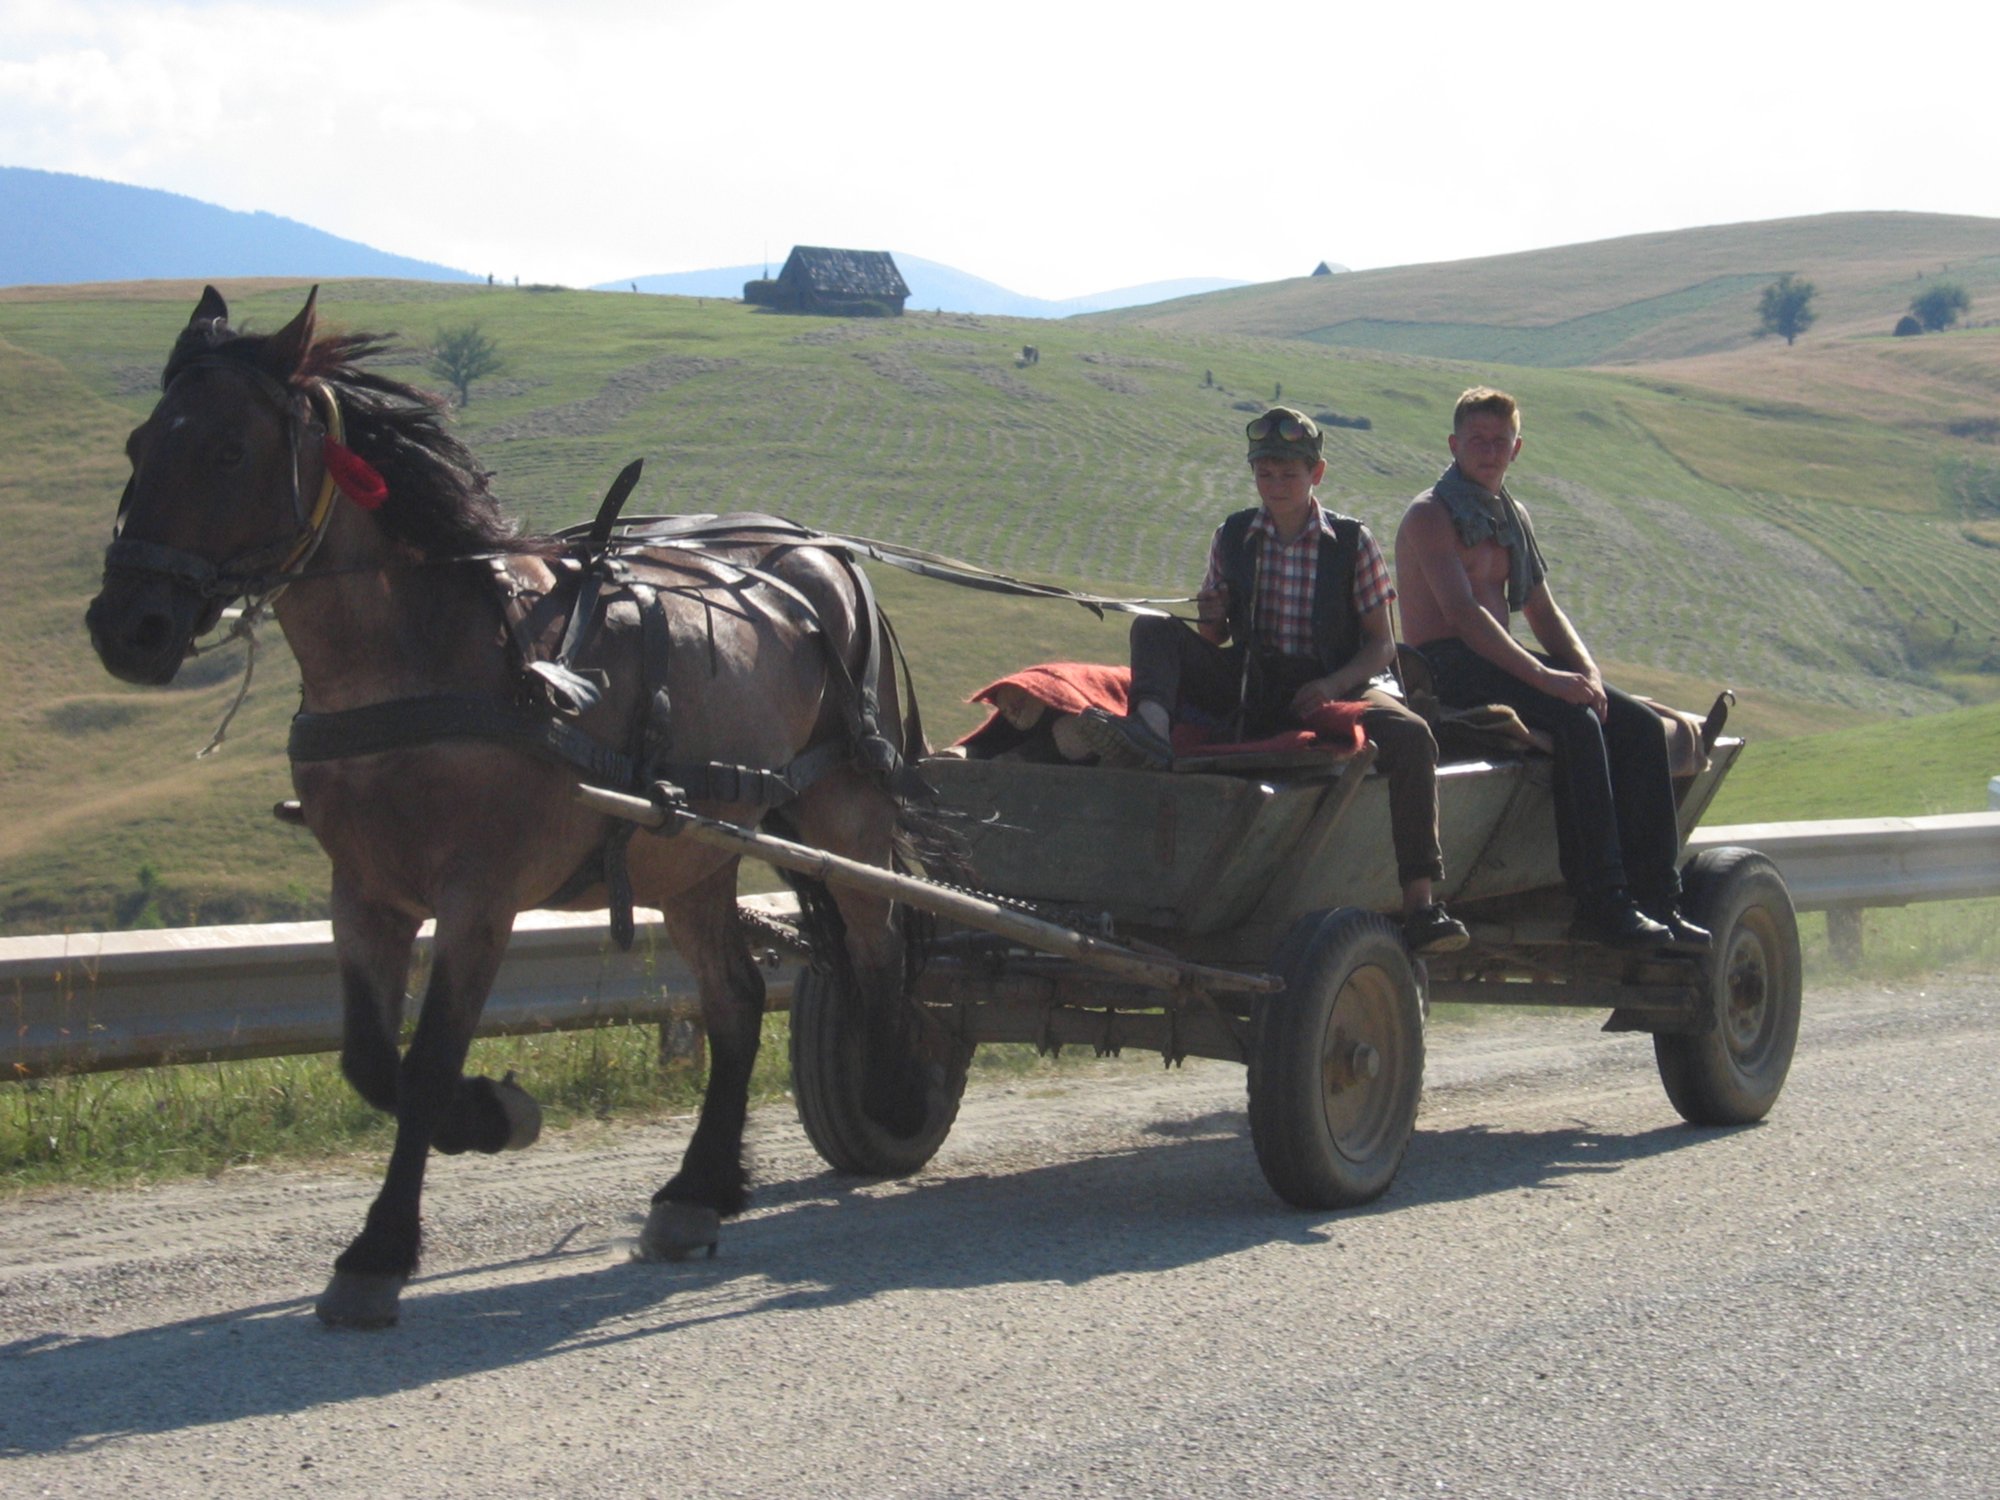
(402, 723)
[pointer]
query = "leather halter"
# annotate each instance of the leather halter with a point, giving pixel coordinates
(267, 568)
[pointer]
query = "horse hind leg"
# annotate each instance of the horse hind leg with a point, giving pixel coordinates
(713, 1182)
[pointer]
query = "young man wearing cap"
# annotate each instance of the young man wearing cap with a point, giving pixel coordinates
(1294, 616)
(1466, 557)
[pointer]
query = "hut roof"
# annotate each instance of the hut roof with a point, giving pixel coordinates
(858, 273)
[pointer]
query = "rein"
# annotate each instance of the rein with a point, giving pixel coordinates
(247, 574)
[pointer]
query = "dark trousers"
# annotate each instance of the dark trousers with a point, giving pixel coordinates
(1614, 792)
(1175, 666)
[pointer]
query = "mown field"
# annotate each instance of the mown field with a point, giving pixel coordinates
(1638, 299)
(1825, 565)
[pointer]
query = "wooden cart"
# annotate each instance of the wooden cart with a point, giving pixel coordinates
(1237, 913)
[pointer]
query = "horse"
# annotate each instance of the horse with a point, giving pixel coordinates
(443, 732)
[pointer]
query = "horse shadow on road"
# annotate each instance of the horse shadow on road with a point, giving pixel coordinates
(1191, 1193)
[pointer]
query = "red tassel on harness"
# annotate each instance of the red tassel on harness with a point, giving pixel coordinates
(357, 478)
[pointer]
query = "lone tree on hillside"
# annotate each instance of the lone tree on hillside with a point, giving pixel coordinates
(1942, 305)
(1786, 307)
(462, 355)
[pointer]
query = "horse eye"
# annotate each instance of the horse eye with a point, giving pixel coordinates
(230, 456)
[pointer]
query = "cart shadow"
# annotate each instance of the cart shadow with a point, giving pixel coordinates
(1476, 1161)
(1191, 1194)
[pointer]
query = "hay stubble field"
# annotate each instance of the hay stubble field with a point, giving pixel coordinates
(1817, 541)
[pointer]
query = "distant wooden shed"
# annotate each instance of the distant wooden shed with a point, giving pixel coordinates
(835, 283)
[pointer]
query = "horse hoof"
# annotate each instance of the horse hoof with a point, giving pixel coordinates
(524, 1115)
(675, 1231)
(352, 1300)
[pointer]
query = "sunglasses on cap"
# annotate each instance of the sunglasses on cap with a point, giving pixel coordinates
(1290, 429)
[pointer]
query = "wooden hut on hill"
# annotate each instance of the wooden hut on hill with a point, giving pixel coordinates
(836, 283)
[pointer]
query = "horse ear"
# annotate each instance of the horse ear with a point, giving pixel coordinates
(289, 345)
(211, 309)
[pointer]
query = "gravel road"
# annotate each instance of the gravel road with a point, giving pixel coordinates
(1091, 1292)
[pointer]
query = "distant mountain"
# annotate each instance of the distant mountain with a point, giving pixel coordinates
(57, 228)
(935, 287)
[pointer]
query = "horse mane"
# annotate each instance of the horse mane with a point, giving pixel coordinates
(439, 500)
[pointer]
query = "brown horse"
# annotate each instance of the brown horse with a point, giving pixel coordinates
(437, 768)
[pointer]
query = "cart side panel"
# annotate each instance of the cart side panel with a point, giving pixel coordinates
(1697, 793)
(1494, 823)
(1182, 852)
(1499, 825)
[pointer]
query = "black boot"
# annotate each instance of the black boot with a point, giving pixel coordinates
(1614, 919)
(1432, 929)
(1681, 933)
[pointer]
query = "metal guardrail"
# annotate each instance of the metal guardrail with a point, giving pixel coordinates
(93, 1002)
(96, 1001)
(1855, 863)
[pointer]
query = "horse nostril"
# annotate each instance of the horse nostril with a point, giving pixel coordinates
(152, 632)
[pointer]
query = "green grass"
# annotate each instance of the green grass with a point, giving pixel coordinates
(1697, 540)
(1905, 768)
(157, 1124)
(1590, 339)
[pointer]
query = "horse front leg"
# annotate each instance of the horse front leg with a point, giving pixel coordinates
(372, 942)
(712, 1183)
(370, 1273)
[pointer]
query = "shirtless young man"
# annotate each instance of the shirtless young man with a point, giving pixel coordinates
(1466, 559)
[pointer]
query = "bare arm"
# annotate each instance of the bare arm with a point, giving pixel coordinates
(1559, 638)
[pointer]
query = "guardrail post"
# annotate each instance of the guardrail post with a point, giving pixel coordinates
(1843, 935)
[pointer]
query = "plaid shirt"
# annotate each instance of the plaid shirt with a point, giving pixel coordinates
(1285, 576)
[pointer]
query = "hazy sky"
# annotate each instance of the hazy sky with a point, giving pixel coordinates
(1056, 148)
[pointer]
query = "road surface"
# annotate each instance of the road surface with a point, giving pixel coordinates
(1092, 1292)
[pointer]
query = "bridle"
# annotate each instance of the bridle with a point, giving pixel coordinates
(258, 573)
(263, 570)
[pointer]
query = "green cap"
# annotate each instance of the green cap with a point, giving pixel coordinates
(1284, 432)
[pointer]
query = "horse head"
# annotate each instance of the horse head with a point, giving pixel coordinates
(219, 505)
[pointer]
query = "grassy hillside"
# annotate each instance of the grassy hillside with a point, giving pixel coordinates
(1902, 768)
(1701, 538)
(1632, 300)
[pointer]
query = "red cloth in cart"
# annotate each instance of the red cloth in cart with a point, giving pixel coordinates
(1072, 686)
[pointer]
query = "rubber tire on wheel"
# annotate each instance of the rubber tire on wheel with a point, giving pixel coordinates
(827, 1071)
(1327, 1133)
(1732, 1074)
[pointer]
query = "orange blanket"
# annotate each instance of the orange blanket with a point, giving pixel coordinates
(1072, 686)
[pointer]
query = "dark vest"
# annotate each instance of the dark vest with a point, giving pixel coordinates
(1336, 627)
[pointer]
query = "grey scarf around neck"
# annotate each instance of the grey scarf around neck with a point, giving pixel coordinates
(1477, 514)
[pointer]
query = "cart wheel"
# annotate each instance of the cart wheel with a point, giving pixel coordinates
(1732, 1074)
(827, 1072)
(1338, 1061)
